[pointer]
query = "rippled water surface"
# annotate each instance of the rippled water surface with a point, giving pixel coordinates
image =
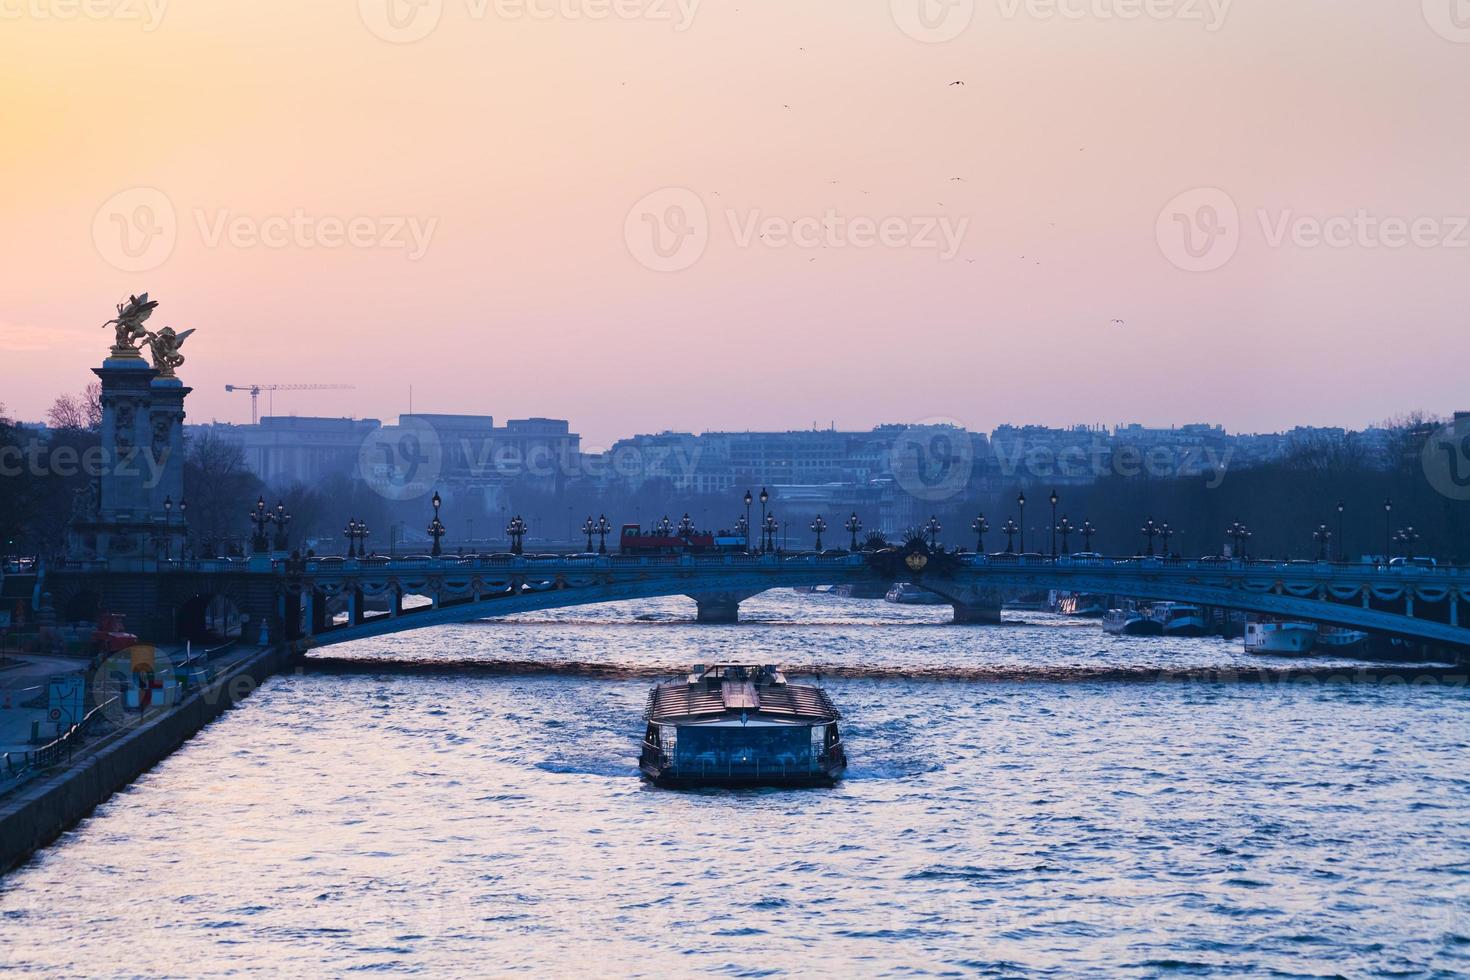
(470, 820)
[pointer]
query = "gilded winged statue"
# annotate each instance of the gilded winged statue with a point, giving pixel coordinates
(129, 324)
(164, 347)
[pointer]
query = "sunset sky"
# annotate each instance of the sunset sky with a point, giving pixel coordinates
(546, 207)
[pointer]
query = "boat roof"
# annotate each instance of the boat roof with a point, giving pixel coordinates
(709, 693)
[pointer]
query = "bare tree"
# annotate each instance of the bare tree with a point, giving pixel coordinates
(82, 412)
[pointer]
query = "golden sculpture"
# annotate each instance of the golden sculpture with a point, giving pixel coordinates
(129, 325)
(164, 347)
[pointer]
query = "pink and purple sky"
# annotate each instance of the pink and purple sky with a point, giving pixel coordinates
(647, 214)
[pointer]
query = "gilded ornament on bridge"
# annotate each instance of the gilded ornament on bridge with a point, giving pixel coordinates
(128, 325)
(164, 346)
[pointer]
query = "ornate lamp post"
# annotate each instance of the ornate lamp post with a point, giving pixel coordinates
(589, 528)
(1150, 531)
(852, 526)
(1340, 508)
(1322, 536)
(1021, 503)
(665, 527)
(1387, 527)
(1165, 533)
(436, 526)
(742, 524)
(1087, 532)
(764, 497)
(1053, 498)
(168, 510)
(1009, 529)
(350, 533)
(1239, 535)
(932, 529)
(686, 528)
(768, 532)
(604, 528)
(745, 525)
(281, 518)
(259, 517)
(979, 525)
(1065, 530)
(184, 527)
(818, 526)
(516, 530)
(1406, 537)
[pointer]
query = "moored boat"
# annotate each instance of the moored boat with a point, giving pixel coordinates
(739, 725)
(1180, 619)
(1129, 620)
(908, 594)
(1341, 640)
(1279, 638)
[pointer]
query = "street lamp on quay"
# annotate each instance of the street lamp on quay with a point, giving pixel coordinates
(589, 529)
(1009, 529)
(763, 498)
(664, 527)
(1150, 531)
(436, 526)
(686, 528)
(818, 526)
(282, 517)
(745, 524)
(980, 525)
(1064, 529)
(1053, 499)
(516, 530)
(259, 517)
(1087, 531)
(603, 529)
(1165, 533)
(356, 531)
(1406, 537)
(932, 529)
(852, 526)
(1239, 534)
(768, 531)
(1387, 527)
(1021, 503)
(742, 524)
(168, 545)
(1322, 536)
(1340, 508)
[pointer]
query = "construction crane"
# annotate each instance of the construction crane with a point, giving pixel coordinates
(255, 391)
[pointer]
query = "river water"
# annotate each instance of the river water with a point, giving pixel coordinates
(1006, 812)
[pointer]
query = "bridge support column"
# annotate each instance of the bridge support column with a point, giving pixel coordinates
(354, 607)
(719, 607)
(972, 604)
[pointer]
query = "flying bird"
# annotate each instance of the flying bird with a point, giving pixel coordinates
(953, 84)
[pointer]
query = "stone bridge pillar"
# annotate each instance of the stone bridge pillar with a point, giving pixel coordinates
(972, 603)
(719, 607)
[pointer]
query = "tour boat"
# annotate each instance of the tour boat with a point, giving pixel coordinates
(1340, 640)
(1080, 604)
(1280, 638)
(1131, 621)
(1180, 619)
(908, 594)
(739, 725)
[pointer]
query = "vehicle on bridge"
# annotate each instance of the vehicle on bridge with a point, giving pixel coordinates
(633, 541)
(738, 725)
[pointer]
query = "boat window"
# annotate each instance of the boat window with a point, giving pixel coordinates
(744, 745)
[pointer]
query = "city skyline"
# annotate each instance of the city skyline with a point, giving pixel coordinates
(663, 252)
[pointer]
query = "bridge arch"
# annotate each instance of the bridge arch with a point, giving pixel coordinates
(209, 618)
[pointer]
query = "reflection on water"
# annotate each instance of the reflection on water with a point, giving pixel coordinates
(476, 822)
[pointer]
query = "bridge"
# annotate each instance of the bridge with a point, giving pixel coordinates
(316, 602)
